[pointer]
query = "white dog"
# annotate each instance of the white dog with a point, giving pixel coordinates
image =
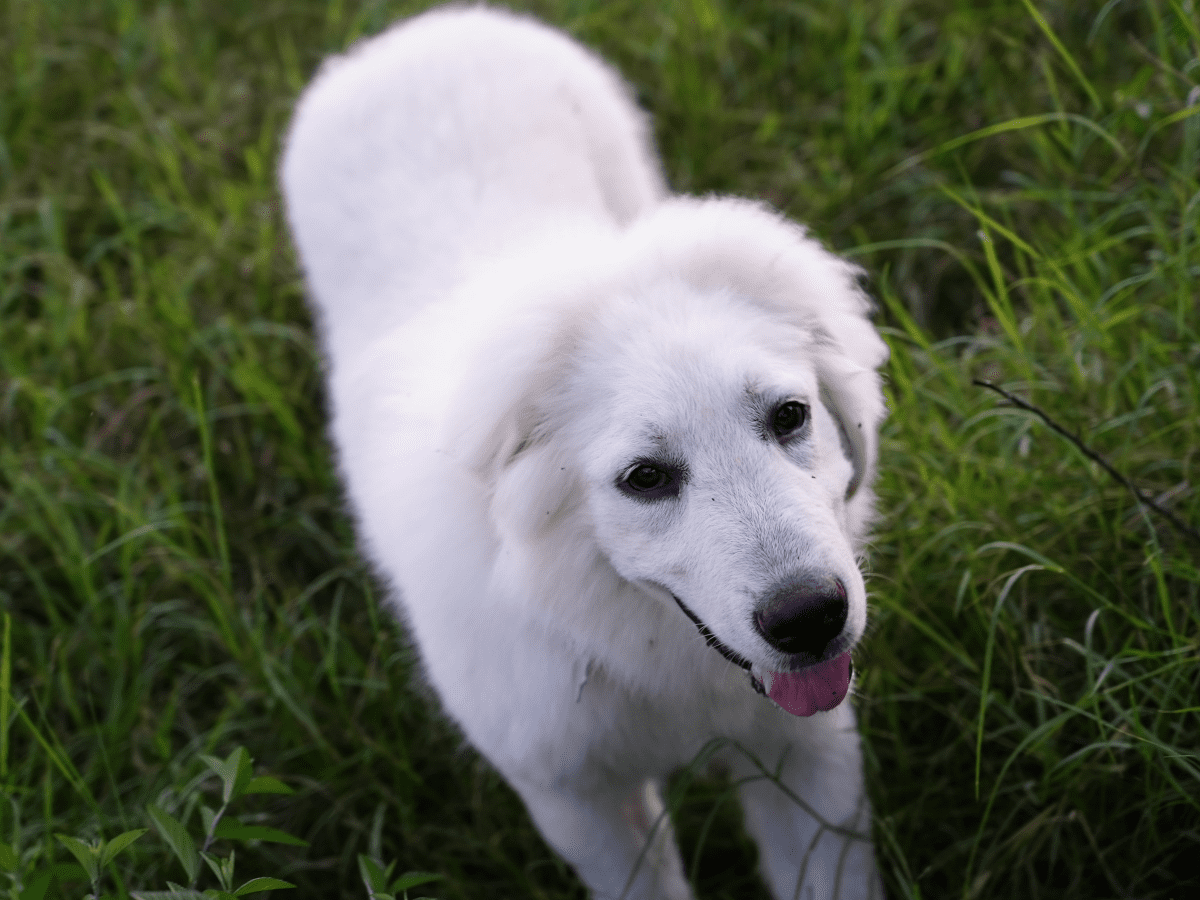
(612, 448)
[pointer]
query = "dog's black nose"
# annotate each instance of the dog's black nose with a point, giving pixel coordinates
(803, 614)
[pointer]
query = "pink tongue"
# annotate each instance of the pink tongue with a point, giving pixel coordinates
(822, 686)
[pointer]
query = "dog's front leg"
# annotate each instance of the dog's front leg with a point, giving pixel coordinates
(619, 840)
(810, 815)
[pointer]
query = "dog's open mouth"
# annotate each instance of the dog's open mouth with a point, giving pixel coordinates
(818, 687)
(814, 688)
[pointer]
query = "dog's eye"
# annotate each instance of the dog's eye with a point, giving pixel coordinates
(650, 482)
(646, 478)
(789, 418)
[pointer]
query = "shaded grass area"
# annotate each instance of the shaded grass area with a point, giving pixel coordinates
(1022, 183)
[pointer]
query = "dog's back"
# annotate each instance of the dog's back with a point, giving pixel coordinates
(441, 141)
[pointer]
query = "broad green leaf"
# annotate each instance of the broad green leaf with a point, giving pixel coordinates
(219, 895)
(235, 772)
(8, 858)
(218, 767)
(87, 854)
(412, 879)
(188, 893)
(177, 838)
(232, 829)
(222, 867)
(255, 885)
(109, 850)
(239, 760)
(265, 784)
(373, 874)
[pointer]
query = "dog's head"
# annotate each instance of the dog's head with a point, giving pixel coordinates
(702, 421)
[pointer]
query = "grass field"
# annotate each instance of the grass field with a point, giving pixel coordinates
(1021, 178)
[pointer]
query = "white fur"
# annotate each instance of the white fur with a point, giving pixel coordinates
(514, 312)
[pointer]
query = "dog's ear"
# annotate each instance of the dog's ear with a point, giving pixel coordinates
(852, 394)
(528, 486)
(506, 437)
(534, 489)
(849, 355)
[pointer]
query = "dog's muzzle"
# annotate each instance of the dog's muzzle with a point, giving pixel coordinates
(819, 686)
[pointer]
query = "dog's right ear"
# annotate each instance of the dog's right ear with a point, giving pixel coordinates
(526, 486)
(505, 436)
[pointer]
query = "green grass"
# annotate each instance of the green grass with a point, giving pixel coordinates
(1022, 181)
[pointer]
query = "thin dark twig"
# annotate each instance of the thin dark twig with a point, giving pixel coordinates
(1091, 454)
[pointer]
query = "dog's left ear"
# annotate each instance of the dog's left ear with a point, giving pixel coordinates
(850, 352)
(852, 394)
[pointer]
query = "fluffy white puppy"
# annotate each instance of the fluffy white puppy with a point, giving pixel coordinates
(612, 448)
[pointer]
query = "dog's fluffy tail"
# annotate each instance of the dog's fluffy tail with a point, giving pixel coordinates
(443, 140)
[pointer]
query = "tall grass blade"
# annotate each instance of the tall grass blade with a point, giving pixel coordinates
(1062, 51)
(214, 493)
(5, 693)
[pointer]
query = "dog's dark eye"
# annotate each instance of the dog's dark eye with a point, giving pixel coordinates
(646, 478)
(788, 419)
(650, 482)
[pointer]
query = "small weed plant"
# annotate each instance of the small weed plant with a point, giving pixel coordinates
(237, 780)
